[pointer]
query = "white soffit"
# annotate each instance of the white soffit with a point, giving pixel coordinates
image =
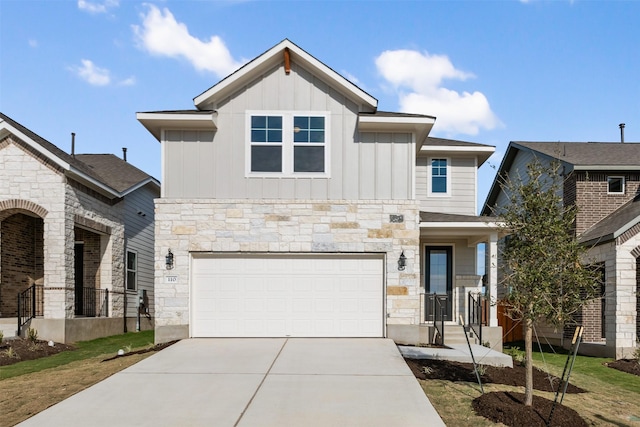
(156, 122)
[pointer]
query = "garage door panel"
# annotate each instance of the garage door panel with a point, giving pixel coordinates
(277, 296)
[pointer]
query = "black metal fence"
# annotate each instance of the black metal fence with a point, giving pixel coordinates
(91, 302)
(437, 309)
(477, 313)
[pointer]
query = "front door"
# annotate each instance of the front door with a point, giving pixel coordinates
(79, 276)
(439, 283)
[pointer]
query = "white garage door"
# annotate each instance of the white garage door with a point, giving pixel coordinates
(287, 295)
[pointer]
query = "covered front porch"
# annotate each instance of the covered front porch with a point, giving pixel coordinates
(459, 278)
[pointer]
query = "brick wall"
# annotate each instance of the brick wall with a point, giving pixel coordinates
(592, 199)
(91, 256)
(22, 259)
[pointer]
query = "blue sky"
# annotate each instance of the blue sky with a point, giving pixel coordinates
(490, 71)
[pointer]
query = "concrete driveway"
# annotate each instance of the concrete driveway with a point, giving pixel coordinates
(255, 382)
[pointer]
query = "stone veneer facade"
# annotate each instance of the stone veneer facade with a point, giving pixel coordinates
(33, 185)
(284, 226)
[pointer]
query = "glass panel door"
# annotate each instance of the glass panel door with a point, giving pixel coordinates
(438, 277)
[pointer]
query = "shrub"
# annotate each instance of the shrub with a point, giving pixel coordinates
(516, 354)
(32, 335)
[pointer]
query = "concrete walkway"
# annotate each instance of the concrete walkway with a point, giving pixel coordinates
(255, 382)
(459, 353)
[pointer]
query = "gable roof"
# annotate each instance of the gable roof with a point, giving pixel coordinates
(592, 156)
(274, 56)
(117, 173)
(108, 181)
(589, 155)
(613, 225)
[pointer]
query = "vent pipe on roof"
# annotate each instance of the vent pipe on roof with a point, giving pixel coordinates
(124, 153)
(73, 145)
(621, 125)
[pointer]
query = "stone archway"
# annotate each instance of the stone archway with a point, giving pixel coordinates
(21, 251)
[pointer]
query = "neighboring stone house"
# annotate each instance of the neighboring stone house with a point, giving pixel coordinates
(76, 231)
(603, 181)
(291, 206)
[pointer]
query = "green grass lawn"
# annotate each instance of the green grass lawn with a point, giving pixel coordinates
(107, 346)
(585, 367)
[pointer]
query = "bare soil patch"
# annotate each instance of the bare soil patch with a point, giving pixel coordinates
(18, 349)
(630, 366)
(504, 406)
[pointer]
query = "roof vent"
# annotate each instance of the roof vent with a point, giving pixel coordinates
(621, 125)
(73, 144)
(124, 153)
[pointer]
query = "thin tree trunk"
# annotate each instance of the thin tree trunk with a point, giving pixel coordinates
(528, 350)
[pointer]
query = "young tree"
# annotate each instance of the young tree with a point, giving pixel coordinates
(543, 270)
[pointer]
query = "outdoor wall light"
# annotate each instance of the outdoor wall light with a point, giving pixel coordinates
(402, 261)
(169, 260)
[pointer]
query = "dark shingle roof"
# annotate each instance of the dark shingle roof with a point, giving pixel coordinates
(599, 154)
(452, 143)
(445, 217)
(113, 171)
(614, 224)
(106, 169)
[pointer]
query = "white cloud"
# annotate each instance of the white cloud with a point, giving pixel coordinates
(418, 80)
(128, 81)
(160, 34)
(97, 7)
(33, 43)
(92, 74)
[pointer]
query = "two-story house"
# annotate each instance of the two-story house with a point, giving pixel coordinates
(76, 240)
(292, 206)
(603, 181)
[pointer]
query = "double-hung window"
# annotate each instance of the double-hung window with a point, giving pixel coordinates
(132, 271)
(439, 177)
(287, 143)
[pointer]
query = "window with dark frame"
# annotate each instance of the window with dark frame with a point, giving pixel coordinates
(288, 143)
(615, 184)
(438, 175)
(132, 271)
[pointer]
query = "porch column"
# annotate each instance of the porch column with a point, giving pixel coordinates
(492, 276)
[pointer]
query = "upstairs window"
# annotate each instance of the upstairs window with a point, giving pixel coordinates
(266, 144)
(287, 143)
(615, 184)
(439, 177)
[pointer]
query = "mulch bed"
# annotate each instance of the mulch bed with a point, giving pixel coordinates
(19, 349)
(456, 371)
(508, 408)
(630, 366)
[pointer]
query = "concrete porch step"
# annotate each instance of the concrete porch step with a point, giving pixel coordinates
(8, 326)
(455, 334)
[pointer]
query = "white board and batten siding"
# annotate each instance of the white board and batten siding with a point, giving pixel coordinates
(286, 295)
(211, 164)
(139, 235)
(463, 187)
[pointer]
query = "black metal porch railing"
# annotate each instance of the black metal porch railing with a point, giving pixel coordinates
(30, 305)
(93, 303)
(477, 314)
(436, 305)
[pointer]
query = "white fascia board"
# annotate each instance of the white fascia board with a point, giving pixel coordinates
(606, 167)
(463, 225)
(625, 227)
(457, 149)
(100, 187)
(140, 185)
(272, 56)
(420, 126)
(39, 148)
(156, 122)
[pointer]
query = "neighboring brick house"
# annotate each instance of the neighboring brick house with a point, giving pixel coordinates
(291, 206)
(603, 181)
(75, 231)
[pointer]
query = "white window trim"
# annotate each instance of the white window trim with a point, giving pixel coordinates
(624, 182)
(126, 277)
(430, 193)
(288, 144)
